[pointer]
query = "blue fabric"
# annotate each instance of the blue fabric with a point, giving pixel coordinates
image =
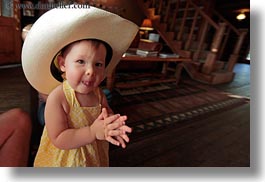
(108, 94)
(41, 113)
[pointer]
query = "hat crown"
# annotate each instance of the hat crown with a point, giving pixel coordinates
(59, 27)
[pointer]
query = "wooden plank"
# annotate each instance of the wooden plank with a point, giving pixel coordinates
(154, 59)
(143, 83)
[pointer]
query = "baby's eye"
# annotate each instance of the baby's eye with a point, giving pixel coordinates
(99, 64)
(80, 61)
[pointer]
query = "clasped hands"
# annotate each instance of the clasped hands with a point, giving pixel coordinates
(114, 127)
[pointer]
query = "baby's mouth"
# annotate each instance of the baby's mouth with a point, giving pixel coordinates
(88, 83)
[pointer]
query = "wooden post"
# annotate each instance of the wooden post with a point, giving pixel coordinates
(224, 43)
(181, 30)
(159, 7)
(173, 23)
(167, 12)
(209, 63)
(233, 58)
(204, 30)
(239, 42)
(187, 45)
(211, 57)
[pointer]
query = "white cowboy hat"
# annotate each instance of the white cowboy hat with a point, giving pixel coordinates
(60, 26)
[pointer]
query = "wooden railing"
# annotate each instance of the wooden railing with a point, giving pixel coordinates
(239, 34)
(188, 30)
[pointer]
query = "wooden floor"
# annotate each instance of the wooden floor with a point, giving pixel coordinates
(241, 82)
(222, 139)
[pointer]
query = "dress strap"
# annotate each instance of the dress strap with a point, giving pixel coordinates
(69, 94)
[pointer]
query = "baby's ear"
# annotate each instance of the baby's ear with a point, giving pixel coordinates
(61, 63)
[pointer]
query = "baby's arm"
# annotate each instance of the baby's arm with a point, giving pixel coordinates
(60, 133)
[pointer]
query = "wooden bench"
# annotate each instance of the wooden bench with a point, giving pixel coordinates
(111, 77)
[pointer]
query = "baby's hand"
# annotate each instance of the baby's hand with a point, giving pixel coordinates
(125, 129)
(116, 129)
(103, 124)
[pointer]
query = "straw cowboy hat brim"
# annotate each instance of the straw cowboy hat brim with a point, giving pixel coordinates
(58, 27)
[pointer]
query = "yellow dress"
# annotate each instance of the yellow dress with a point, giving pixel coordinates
(94, 154)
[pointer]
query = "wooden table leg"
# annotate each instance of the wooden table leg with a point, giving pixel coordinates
(110, 80)
(164, 69)
(178, 72)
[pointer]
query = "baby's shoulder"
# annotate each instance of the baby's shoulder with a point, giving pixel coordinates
(57, 97)
(57, 92)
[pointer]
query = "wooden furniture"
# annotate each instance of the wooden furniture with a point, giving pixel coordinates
(163, 74)
(10, 34)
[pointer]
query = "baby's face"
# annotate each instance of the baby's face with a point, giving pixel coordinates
(84, 66)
